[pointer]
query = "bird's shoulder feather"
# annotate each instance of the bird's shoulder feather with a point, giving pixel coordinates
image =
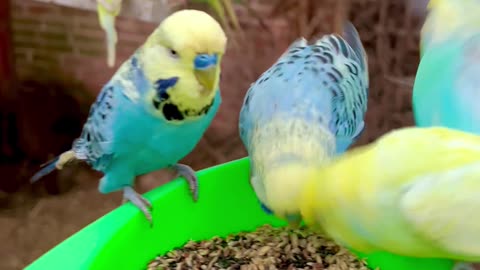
(97, 140)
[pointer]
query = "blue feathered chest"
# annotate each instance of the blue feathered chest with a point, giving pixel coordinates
(122, 130)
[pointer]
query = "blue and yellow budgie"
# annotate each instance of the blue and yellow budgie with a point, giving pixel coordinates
(413, 192)
(447, 81)
(156, 107)
(306, 108)
(107, 11)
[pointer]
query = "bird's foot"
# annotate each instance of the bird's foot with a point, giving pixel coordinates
(129, 194)
(189, 174)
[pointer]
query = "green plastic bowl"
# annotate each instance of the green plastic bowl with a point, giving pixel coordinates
(123, 239)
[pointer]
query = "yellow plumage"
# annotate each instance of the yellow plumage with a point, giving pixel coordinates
(413, 192)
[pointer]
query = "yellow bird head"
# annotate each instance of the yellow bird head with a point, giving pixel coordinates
(186, 48)
(284, 187)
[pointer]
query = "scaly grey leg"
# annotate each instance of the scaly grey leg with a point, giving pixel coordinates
(129, 194)
(189, 174)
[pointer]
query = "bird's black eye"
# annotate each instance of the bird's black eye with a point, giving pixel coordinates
(173, 53)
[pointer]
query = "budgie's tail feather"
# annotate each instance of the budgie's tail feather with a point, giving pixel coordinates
(351, 35)
(56, 163)
(47, 168)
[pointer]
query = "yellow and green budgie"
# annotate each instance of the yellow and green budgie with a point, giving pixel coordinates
(156, 107)
(413, 192)
(306, 108)
(107, 11)
(447, 81)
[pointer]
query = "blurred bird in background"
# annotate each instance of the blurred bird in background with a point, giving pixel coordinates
(107, 11)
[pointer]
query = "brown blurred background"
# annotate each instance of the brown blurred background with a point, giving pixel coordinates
(53, 63)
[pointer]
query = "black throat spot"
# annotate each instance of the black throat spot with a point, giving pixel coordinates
(172, 112)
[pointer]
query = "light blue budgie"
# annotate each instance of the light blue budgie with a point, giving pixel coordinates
(305, 109)
(156, 107)
(447, 82)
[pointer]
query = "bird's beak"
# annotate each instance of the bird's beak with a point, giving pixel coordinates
(206, 71)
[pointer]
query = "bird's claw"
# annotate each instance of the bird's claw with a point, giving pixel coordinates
(189, 174)
(129, 194)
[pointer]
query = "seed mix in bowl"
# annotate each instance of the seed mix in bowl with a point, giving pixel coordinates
(267, 248)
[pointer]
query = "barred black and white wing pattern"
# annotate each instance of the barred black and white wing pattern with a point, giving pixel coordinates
(95, 144)
(347, 72)
(331, 74)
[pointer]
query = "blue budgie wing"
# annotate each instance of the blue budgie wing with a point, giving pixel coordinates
(95, 144)
(352, 90)
(269, 86)
(105, 129)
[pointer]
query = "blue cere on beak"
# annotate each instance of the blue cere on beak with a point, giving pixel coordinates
(205, 61)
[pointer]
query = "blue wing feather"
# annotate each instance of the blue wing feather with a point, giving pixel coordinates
(96, 140)
(96, 144)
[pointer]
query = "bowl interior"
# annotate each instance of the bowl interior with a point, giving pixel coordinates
(123, 239)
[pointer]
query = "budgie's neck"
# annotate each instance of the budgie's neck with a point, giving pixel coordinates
(449, 19)
(285, 152)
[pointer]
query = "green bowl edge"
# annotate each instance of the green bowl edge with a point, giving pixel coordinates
(123, 239)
